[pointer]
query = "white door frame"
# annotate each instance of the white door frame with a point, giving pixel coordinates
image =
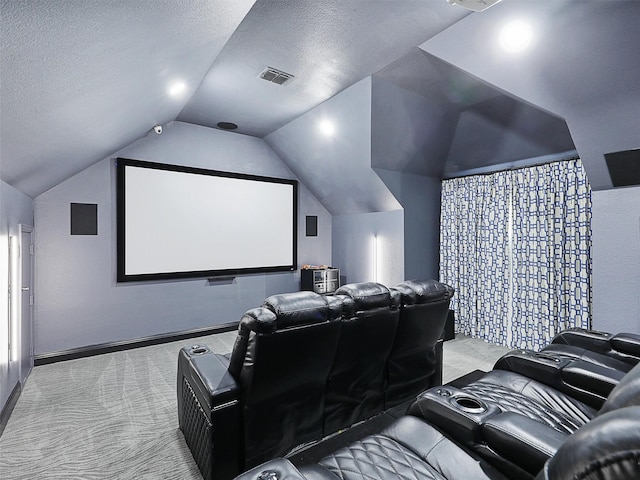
(22, 230)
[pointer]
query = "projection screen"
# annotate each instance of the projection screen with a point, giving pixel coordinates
(179, 222)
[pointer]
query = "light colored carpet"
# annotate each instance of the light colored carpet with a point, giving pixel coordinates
(466, 354)
(114, 416)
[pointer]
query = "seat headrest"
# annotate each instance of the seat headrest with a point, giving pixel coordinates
(626, 393)
(606, 447)
(369, 295)
(424, 291)
(259, 320)
(301, 308)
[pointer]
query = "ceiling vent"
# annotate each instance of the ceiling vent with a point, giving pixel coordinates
(276, 76)
(475, 5)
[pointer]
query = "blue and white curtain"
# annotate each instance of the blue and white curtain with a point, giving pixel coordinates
(516, 247)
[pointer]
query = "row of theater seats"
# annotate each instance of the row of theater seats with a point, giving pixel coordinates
(305, 366)
(570, 411)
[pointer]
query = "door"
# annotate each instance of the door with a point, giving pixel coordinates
(26, 301)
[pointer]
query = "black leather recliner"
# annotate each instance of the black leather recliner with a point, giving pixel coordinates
(415, 362)
(606, 449)
(513, 421)
(281, 359)
(269, 396)
(357, 381)
(618, 351)
(303, 366)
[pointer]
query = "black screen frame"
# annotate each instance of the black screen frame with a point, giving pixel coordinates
(122, 276)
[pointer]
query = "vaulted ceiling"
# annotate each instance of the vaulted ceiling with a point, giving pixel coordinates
(80, 79)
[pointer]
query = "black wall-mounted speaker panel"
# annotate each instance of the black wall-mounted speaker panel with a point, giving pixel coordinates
(312, 226)
(624, 167)
(84, 219)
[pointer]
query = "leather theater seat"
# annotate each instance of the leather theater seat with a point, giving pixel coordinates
(281, 360)
(304, 366)
(356, 384)
(415, 362)
(514, 422)
(617, 351)
(607, 449)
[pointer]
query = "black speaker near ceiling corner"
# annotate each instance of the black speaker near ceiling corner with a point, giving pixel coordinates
(624, 167)
(312, 226)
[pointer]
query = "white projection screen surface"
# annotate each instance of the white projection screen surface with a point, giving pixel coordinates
(180, 222)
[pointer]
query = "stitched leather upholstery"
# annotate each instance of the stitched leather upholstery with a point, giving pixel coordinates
(356, 384)
(599, 347)
(608, 448)
(378, 457)
(511, 401)
(408, 449)
(276, 380)
(579, 353)
(413, 366)
(286, 358)
(512, 392)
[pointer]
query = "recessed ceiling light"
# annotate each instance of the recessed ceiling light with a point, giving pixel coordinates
(176, 89)
(326, 127)
(516, 36)
(227, 125)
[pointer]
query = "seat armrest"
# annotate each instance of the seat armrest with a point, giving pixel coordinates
(585, 381)
(522, 440)
(276, 469)
(209, 413)
(627, 344)
(591, 377)
(455, 411)
(593, 340)
(439, 351)
(216, 386)
(539, 366)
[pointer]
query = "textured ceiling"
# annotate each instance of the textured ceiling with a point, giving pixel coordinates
(83, 78)
(80, 79)
(327, 45)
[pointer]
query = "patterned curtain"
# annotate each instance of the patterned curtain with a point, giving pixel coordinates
(474, 224)
(551, 252)
(516, 247)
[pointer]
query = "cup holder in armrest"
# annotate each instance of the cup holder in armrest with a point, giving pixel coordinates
(443, 392)
(198, 349)
(469, 404)
(459, 413)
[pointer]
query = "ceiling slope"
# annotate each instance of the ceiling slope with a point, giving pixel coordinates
(83, 78)
(336, 168)
(582, 66)
(327, 45)
(431, 118)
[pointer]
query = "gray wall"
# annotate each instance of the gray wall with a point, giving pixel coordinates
(337, 169)
(419, 196)
(15, 208)
(410, 136)
(616, 260)
(353, 250)
(409, 132)
(79, 302)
